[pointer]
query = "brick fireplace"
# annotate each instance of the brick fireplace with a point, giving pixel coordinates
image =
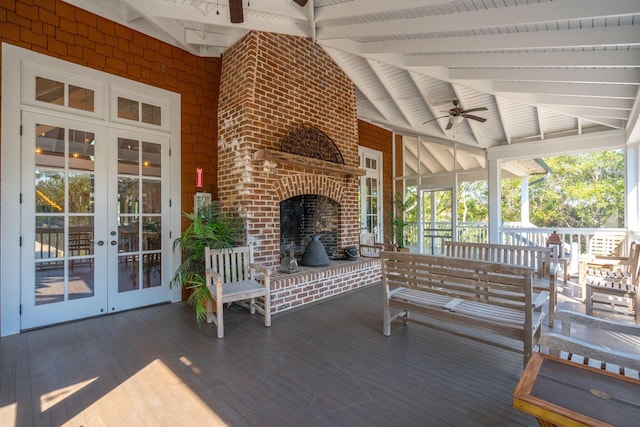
(271, 86)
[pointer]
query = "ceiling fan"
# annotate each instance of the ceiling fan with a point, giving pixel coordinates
(457, 114)
(235, 10)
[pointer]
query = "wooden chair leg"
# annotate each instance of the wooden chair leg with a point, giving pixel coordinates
(219, 310)
(589, 300)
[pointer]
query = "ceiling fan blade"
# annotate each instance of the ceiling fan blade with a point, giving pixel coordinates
(480, 119)
(235, 11)
(449, 125)
(471, 110)
(301, 3)
(433, 120)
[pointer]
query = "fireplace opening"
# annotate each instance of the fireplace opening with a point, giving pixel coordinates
(305, 216)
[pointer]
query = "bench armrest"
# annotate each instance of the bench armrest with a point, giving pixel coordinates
(378, 246)
(540, 299)
(260, 269)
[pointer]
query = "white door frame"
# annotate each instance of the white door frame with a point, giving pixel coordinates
(14, 61)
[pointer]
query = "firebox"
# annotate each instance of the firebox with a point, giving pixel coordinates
(305, 216)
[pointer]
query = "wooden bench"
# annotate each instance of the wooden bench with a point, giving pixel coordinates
(493, 297)
(543, 259)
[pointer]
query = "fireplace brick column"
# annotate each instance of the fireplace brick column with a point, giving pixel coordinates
(270, 85)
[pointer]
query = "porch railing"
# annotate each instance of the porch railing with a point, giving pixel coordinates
(575, 240)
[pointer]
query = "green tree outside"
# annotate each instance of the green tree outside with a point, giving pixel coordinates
(582, 191)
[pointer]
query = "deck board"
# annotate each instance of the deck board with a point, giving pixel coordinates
(326, 364)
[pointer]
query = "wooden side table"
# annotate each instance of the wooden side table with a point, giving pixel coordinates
(559, 392)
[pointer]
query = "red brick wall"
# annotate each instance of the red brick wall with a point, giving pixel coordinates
(58, 29)
(270, 85)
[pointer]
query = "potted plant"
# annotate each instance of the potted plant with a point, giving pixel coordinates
(209, 227)
(398, 223)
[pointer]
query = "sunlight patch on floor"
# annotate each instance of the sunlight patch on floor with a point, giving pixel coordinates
(54, 397)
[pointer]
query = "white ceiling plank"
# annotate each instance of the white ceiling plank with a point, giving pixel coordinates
(628, 35)
(505, 124)
(527, 14)
(539, 121)
(360, 85)
(206, 38)
(592, 113)
(614, 91)
(621, 75)
(388, 86)
(425, 97)
(609, 59)
(616, 104)
(357, 7)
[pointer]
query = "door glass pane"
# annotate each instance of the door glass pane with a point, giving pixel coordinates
(128, 109)
(128, 195)
(49, 191)
(128, 156)
(151, 233)
(81, 150)
(151, 269)
(81, 98)
(151, 196)
(151, 159)
(128, 272)
(151, 114)
(81, 257)
(49, 282)
(152, 262)
(49, 91)
(49, 146)
(81, 192)
(49, 242)
(49, 259)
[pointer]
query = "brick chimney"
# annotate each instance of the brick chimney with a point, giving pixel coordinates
(270, 85)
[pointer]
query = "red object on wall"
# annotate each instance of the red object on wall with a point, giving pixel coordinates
(199, 178)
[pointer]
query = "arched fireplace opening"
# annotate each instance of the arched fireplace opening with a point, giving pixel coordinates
(305, 216)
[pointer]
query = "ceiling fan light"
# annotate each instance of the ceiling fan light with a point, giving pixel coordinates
(456, 120)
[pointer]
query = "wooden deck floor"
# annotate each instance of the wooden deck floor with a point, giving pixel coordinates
(323, 365)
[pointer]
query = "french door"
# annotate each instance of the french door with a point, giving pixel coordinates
(371, 192)
(436, 220)
(92, 219)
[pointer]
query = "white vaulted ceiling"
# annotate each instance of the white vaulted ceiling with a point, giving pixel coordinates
(543, 68)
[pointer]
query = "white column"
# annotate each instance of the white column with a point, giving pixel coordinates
(632, 190)
(495, 213)
(524, 201)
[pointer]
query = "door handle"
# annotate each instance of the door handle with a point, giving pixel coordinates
(100, 242)
(113, 243)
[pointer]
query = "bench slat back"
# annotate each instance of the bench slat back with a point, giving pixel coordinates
(540, 258)
(492, 283)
